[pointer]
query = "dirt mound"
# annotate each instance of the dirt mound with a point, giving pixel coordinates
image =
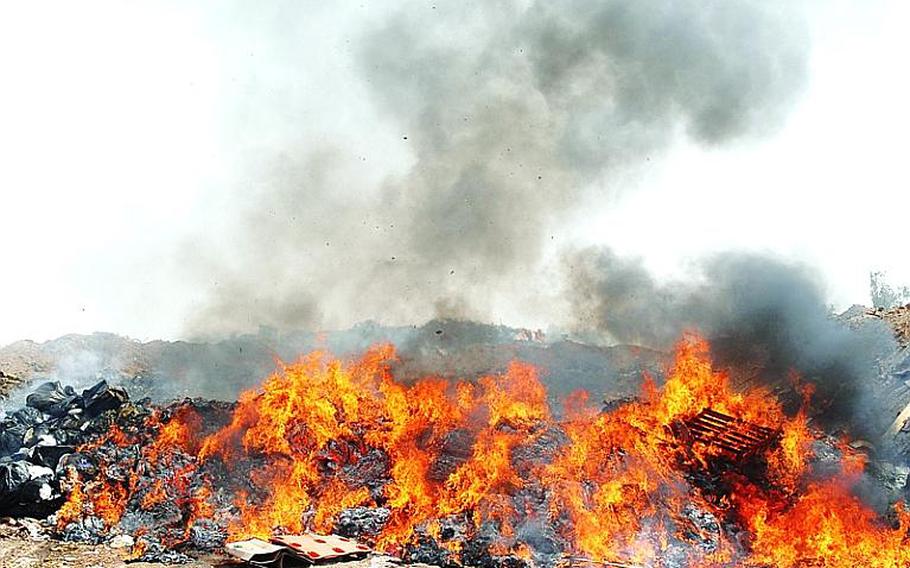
(165, 370)
(899, 319)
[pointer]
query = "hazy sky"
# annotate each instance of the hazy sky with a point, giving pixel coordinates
(129, 129)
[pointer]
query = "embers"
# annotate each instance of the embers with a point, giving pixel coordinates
(717, 435)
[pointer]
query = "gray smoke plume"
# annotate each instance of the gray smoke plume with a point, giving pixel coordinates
(760, 313)
(516, 115)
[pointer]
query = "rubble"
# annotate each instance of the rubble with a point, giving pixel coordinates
(8, 383)
(898, 318)
(891, 478)
(106, 435)
(356, 522)
(24, 527)
(155, 552)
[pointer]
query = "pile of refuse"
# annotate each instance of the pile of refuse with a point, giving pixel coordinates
(104, 469)
(168, 507)
(37, 440)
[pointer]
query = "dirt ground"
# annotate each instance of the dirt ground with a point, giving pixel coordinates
(16, 552)
(23, 552)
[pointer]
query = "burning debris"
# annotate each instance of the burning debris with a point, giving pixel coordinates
(34, 440)
(481, 473)
(724, 436)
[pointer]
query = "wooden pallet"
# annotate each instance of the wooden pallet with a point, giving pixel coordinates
(730, 437)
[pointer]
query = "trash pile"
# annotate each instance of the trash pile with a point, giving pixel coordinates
(105, 469)
(37, 442)
(481, 473)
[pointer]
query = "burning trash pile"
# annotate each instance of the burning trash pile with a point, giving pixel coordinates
(479, 473)
(35, 439)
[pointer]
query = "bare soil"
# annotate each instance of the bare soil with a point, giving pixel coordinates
(18, 552)
(24, 552)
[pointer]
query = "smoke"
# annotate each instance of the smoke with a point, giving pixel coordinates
(515, 116)
(76, 361)
(760, 313)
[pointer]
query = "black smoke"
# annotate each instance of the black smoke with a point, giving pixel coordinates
(762, 314)
(517, 116)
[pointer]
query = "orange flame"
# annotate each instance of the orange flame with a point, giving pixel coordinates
(617, 489)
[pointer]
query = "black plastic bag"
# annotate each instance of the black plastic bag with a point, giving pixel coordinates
(52, 399)
(103, 397)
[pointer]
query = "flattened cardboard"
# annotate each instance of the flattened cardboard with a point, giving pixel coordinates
(320, 548)
(261, 553)
(288, 551)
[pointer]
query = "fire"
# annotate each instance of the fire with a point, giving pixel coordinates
(615, 485)
(155, 496)
(108, 501)
(831, 527)
(177, 432)
(101, 497)
(199, 508)
(74, 506)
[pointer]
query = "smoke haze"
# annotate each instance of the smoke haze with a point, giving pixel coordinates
(513, 118)
(759, 312)
(180, 170)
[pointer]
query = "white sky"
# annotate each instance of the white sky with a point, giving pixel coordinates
(104, 104)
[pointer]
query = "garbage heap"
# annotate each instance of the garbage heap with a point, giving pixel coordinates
(36, 440)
